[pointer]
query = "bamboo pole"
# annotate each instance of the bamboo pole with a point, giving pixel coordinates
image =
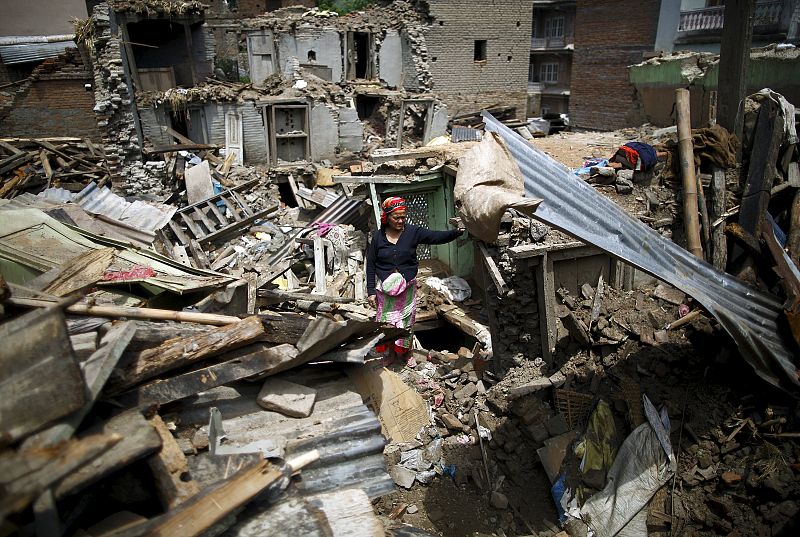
(691, 219)
(132, 313)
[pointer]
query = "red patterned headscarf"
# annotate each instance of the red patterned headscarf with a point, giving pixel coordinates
(391, 205)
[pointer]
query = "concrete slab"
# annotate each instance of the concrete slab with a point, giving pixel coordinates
(390, 59)
(288, 398)
(325, 133)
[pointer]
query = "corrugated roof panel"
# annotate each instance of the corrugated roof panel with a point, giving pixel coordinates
(574, 207)
(32, 52)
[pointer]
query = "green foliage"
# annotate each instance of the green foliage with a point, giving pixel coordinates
(343, 6)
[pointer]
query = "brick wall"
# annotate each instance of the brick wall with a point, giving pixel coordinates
(53, 108)
(464, 84)
(601, 95)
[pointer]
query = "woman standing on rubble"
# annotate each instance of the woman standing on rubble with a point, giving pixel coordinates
(392, 266)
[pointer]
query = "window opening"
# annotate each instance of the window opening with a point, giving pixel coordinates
(548, 72)
(479, 54)
(361, 42)
(554, 27)
(366, 106)
(312, 56)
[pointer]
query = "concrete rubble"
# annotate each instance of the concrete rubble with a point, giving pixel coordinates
(187, 341)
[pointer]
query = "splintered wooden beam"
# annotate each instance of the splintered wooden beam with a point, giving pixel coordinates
(24, 475)
(179, 352)
(40, 380)
(491, 268)
(170, 469)
(216, 502)
(137, 438)
(256, 359)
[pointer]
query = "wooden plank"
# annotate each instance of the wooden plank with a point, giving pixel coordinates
(376, 204)
(179, 233)
(201, 215)
(320, 273)
(287, 327)
(231, 207)
(533, 250)
(184, 351)
(198, 254)
(96, 370)
(81, 271)
(217, 213)
(214, 503)
(546, 297)
(138, 438)
(364, 179)
(491, 268)
(236, 226)
(173, 481)
(793, 237)
(25, 475)
(761, 171)
(313, 297)
(719, 245)
(13, 162)
(293, 187)
(40, 380)
(48, 170)
(387, 155)
(252, 360)
(53, 149)
(192, 225)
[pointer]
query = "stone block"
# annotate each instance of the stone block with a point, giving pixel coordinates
(288, 398)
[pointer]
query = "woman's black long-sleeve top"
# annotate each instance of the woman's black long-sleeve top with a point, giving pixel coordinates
(383, 257)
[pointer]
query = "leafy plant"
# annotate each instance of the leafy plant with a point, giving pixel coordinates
(343, 6)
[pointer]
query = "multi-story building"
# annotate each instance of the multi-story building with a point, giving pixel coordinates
(478, 53)
(552, 45)
(700, 24)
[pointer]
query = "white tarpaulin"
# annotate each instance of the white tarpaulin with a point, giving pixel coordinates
(644, 463)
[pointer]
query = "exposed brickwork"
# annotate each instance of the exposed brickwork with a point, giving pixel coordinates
(54, 102)
(466, 85)
(601, 95)
(53, 108)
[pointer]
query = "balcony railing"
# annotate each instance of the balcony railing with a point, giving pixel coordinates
(549, 42)
(712, 18)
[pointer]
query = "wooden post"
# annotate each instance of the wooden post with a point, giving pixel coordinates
(546, 295)
(719, 247)
(737, 37)
(685, 149)
(793, 240)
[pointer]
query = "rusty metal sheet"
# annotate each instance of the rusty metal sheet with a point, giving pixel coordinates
(750, 316)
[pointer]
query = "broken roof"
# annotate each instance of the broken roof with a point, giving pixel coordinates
(750, 316)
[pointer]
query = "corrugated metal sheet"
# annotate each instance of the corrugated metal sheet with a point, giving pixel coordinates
(134, 216)
(346, 432)
(748, 315)
(32, 52)
(465, 134)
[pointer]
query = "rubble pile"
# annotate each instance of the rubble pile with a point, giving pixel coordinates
(34, 165)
